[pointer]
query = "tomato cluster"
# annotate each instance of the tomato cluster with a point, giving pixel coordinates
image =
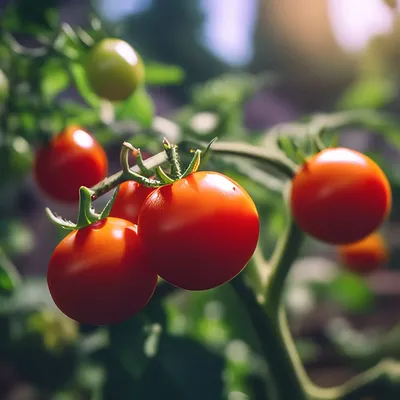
(196, 233)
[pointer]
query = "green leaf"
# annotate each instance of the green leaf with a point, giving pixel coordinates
(185, 370)
(79, 114)
(9, 276)
(229, 90)
(25, 16)
(369, 93)
(32, 295)
(15, 237)
(78, 75)
(55, 78)
(351, 291)
(139, 107)
(159, 74)
(134, 342)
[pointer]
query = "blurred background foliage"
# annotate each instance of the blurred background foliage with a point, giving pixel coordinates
(232, 69)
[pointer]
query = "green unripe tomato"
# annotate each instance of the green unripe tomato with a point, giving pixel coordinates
(3, 87)
(114, 70)
(16, 159)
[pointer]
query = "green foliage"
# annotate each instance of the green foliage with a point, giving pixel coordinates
(372, 93)
(159, 74)
(138, 107)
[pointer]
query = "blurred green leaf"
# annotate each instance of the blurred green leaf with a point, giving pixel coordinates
(138, 107)
(15, 160)
(79, 114)
(15, 237)
(368, 93)
(159, 74)
(134, 342)
(32, 295)
(9, 276)
(351, 292)
(229, 89)
(25, 16)
(54, 78)
(78, 75)
(184, 370)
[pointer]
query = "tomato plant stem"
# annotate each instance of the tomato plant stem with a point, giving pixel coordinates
(285, 253)
(283, 165)
(277, 356)
(381, 381)
(114, 180)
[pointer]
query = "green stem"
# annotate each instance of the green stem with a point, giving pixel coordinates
(283, 165)
(381, 381)
(173, 158)
(285, 253)
(114, 180)
(273, 346)
(256, 153)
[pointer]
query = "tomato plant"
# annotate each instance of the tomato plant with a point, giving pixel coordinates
(203, 229)
(114, 69)
(340, 196)
(366, 255)
(70, 160)
(197, 230)
(130, 198)
(99, 274)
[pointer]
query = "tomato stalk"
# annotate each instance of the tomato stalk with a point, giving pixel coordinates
(279, 357)
(282, 165)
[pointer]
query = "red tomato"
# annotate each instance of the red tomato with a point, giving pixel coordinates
(100, 275)
(200, 231)
(71, 160)
(366, 255)
(340, 196)
(130, 198)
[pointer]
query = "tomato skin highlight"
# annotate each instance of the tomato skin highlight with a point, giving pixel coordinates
(366, 255)
(100, 275)
(340, 196)
(130, 198)
(200, 231)
(114, 70)
(71, 160)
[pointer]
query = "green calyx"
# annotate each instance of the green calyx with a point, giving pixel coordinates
(161, 176)
(86, 213)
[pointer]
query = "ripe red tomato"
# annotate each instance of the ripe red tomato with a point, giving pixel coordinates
(130, 198)
(340, 196)
(114, 70)
(100, 275)
(71, 160)
(366, 255)
(200, 231)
